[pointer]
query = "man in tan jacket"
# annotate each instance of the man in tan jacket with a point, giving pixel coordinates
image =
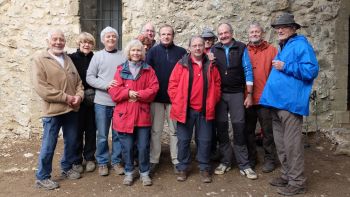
(57, 82)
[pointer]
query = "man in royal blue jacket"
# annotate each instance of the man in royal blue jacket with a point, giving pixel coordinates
(287, 91)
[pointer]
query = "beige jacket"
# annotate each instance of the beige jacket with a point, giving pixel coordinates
(53, 83)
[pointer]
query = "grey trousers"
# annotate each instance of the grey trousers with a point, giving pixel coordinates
(232, 103)
(287, 132)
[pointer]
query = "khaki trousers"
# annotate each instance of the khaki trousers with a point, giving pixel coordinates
(161, 112)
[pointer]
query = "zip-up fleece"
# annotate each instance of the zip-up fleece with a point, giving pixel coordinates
(53, 83)
(163, 60)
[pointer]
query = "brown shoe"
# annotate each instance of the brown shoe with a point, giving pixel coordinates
(118, 168)
(205, 177)
(103, 170)
(182, 176)
(279, 182)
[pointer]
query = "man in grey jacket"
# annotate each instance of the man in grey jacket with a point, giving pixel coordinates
(100, 76)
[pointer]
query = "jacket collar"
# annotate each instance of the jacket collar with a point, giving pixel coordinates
(125, 71)
(167, 47)
(186, 60)
(263, 45)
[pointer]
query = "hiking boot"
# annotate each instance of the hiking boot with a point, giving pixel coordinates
(128, 179)
(118, 168)
(291, 190)
(268, 167)
(153, 167)
(182, 176)
(90, 166)
(205, 177)
(146, 180)
(70, 174)
(249, 173)
(279, 182)
(103, 170)
(46, 184)
(221, 169)
(78, 168)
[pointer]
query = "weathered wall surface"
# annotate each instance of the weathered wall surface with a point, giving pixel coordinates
(24, 25)
(23, 29)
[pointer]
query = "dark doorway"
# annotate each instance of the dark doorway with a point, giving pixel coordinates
(95, 15)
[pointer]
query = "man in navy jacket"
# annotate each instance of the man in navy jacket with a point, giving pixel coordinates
(163, 58)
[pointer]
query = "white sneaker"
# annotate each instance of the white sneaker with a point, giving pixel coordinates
(221, 169)
(249, 173)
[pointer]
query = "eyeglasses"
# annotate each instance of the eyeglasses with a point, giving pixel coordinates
(87, 42)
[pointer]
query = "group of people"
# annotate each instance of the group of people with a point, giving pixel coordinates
(194, 90)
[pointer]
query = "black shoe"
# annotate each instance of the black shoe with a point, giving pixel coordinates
(268, 167)
(291, 190)
(182, 176)
(205, 177)
(153, 168)
(279, 182)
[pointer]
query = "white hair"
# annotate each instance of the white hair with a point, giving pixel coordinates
(108, 29)
(51, 32)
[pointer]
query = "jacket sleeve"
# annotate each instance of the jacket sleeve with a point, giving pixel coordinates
(217, 81)
(247, 66)
(174, 82)
(304, 65)
(92, 77)
(148, 94)
(46, 91)
(119, 92)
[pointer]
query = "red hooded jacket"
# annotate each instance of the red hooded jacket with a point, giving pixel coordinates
(128, 115)
(178, 89)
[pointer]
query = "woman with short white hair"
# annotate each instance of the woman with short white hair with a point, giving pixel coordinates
(136, 88)
(100, 76)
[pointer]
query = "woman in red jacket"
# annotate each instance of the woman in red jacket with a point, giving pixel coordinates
(194, 90)
(136, 88)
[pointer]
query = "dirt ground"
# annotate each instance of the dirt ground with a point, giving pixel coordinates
(328, 175)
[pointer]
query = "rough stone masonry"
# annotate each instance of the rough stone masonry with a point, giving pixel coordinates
(24, 26)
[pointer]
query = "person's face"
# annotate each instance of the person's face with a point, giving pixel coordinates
(197, 47)
(135, 53)
(284, 32)
(166, 35)
(224, 34)
(255, 34)
(208, 42)
(57, 43)
(148, 30)
(86, 46)
(110, 40)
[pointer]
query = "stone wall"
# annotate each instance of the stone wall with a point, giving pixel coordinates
(24, 25)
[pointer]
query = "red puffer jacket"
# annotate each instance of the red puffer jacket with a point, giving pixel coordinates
(128, 115)
(179, 84)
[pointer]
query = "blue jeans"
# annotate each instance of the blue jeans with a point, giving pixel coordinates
(52, 125)
(203, 135)
(103, 117)
(141, 136)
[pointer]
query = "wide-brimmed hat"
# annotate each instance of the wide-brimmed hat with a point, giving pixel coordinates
(208, 33)
(285, 19)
